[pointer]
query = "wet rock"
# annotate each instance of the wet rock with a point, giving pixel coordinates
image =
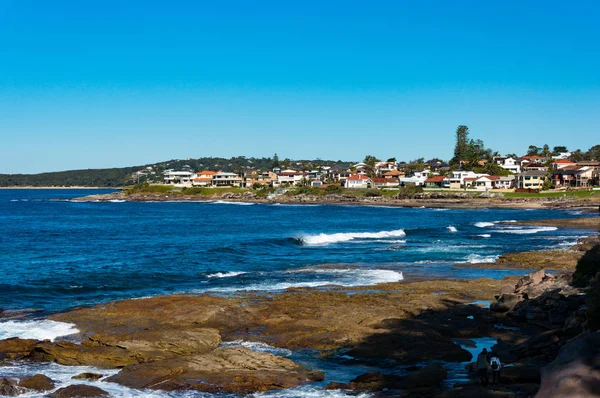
(545, 343)
(506, 302)
(16, 348)
(429, 376)
(575, 372)
(9, 388)
(475, 391)
(520, 375)
(67, 353)
(37, 382)
(238, 370)
(79, 391)
(88, 376)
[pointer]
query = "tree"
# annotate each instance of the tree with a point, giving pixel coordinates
(533, 150)
(391, 160)
(559, 149)
(370, 162)
(594, 153)
(546, 151)
(577, 156)
(462, 143)
(275, 161)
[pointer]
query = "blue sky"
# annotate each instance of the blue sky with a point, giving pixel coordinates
(87, 84)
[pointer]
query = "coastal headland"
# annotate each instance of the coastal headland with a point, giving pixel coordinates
(455, 200)
(420, 331)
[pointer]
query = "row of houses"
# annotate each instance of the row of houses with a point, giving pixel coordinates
(530, 175)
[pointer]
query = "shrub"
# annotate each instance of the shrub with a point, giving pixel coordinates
(333, 189)
(371, 193)
(409, 191)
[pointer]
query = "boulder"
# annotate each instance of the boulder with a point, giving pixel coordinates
(506, 302)
(520, 375)
(79, 391)
(16, 348)
(9, 388)
(88, 376)
(575, 371)
(37, 382)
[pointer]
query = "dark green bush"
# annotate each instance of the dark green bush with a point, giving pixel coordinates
(333, 189)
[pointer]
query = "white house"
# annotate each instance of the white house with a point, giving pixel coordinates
(504, 182)
(458, 178)
(510, 164)
(223, 178)
(484, 183)
(204, 178)
(179, 178)
(359, 181)
(289, 177)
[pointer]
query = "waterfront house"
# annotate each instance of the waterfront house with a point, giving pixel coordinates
(178, 178)
(380, 182)
(384, 167)
(504, 182)
(574, 177)
(289, 177)
(484, 183)
(359, 181)
(226, 179)
(395, 174)
(204, 178)
(437, 182)
(531, 179)
(458, 178)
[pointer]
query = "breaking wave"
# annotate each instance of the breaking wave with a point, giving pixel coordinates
(452, 228)
(477, 258)
(225, 274)
(327, 239)
(525, 230)
(38, 330)
(484, 224)
(258, 347)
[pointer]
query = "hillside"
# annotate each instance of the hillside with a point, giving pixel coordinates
(117, 177)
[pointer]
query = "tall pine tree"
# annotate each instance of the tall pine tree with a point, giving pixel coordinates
(461, 150)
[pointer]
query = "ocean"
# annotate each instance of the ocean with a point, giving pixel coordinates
(56, 253)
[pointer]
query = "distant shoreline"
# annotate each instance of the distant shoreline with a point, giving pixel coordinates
(60, 188)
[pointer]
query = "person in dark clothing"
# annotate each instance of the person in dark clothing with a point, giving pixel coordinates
(495, 366)
(482, 367)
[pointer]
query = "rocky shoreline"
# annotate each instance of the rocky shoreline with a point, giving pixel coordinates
(418, 330)
(454, 200)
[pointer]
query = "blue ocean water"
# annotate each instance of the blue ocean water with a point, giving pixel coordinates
(55, 253)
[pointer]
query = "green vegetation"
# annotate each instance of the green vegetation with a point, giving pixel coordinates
(560, 194)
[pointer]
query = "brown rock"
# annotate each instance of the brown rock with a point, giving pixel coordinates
(161, 344)
(67, 353)
(236, 370)
(506, 302)
(37, 382)
(16, 348)
(79, 391)
(88, 376)
(9, 388)
(574, 372)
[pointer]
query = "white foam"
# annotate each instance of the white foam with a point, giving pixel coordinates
(37, 330)
(258, 347)
(438, 209)
(14, 200)
(524, 230)
(326, 239)
(485, 236)
(484, 224)
(223, 202)
(339, 277)
(309, 392)
(477, 259)
(452, 228)
(226, 274)
(117, 200)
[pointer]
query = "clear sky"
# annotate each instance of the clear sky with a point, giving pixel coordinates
(87, 84)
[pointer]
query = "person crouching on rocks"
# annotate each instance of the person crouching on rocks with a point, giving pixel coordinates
(482, 367)
(495, 366)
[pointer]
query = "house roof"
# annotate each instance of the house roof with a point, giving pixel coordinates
(358, 177)
(471, 179)
(533, 173)
(206, 173)
(532, 157)
(436, 179)
(394, 173)
(491, 178)
(563, 161)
